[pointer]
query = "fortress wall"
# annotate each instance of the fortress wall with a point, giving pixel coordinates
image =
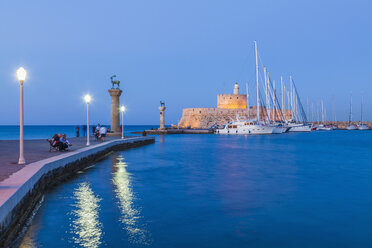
(207, 117)
(232, 101)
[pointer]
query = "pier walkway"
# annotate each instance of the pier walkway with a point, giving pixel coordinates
(20, 184)
(35, 150)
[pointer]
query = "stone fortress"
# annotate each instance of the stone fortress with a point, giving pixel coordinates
(229, 106)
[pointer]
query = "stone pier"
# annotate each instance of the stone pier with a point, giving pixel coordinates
(115, 115)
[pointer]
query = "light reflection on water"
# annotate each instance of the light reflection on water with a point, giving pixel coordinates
(29, 240)
(130, 216)
(86, 228)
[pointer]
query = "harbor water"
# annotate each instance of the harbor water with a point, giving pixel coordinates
(45, 131)
(291, 190)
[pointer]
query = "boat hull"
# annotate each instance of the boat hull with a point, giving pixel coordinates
(279, 130)
(300, 128)
(362, 127)
(253, 129)
(351, 127)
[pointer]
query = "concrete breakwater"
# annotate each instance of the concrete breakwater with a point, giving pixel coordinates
(22, 190)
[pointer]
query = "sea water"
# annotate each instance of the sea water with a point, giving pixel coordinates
(47, 131)
(290, 190)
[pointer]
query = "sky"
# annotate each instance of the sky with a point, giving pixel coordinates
(181, 52)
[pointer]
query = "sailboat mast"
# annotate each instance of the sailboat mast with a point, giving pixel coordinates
(257, 91)
(289, 105)
(284, 102)
(281, 93)
(351, 108)
(265, 84)
(291, 93)
(274, 98)
(246, 85)
(312, 111)
(361, 111)
(268, 104)
(333, 109)
(308, 106)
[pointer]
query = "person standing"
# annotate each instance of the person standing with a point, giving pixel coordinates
(85, 130)
(77, 131)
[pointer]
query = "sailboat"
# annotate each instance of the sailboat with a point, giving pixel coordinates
(362, 126)
(296, 125)
(351, 126)
(323, 127)
(250, 126)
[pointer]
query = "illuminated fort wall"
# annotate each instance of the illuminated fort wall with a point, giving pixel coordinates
(232, 101)
(207, 117)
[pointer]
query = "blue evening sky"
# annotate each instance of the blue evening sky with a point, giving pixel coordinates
(181, 52)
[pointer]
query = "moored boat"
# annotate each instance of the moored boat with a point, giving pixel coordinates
(324, 128)
(362, 127)
(351, 127)
(245, 127)
(299, 127)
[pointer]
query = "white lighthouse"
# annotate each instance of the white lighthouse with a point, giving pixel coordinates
(236, 89)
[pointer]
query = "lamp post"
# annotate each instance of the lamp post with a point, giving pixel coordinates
(87, 99)
(21, 75)
(122, 110)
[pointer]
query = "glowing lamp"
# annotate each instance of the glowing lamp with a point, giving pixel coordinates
(21, 74)
(87, 98)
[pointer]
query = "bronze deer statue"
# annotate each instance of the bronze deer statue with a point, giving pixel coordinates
(117, 82)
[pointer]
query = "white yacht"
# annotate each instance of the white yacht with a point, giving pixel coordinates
(245, 127)
(322, 127)
(299, 127)
(280, 128)
(362, 127)
(351, 127)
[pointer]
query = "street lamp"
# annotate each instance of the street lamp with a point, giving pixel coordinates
(21, 75)
(122, 110)
(87, 99)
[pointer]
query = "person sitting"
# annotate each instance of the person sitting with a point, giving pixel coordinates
(65, 142)
(102, 133)
(96, 134)
(56, 142)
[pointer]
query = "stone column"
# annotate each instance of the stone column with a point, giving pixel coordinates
(115, 115)
(162, 120)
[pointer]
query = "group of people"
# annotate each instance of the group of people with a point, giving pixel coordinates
(100, 132)
(60, 142)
